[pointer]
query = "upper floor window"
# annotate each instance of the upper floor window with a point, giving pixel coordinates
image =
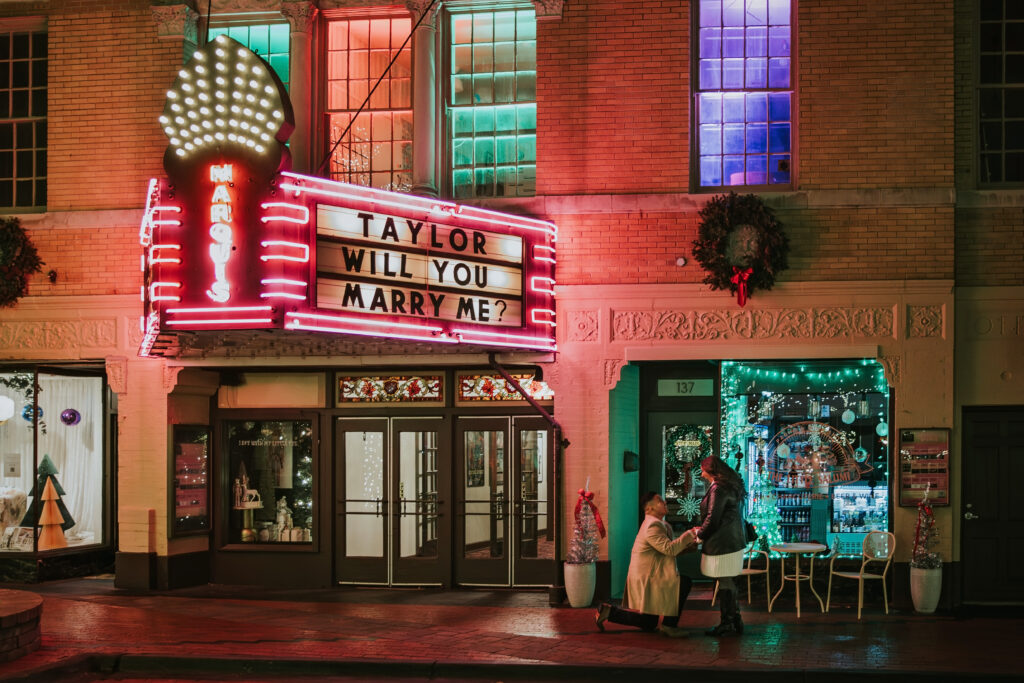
(22, 119)
(492, 103)
(375, 147)
(269, 41)
(744, 96)
(1001, 92)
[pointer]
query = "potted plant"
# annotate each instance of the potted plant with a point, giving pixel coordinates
(580, 561)
(925, 563)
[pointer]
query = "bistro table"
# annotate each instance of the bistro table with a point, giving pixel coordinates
(796, 549)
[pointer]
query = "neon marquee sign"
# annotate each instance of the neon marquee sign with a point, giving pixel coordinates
(233, 240)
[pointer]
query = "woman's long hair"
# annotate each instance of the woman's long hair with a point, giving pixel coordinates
(723, 475)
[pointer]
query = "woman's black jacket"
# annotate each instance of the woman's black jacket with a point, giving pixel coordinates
(722, 528)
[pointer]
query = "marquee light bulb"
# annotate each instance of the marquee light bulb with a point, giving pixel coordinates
(221, 95)
(220, 108)
(171, 94)
(194, 128)
(256, 69)
(264, 103)
(192, 114)
(241, 53)
(184, 74)
(247, 111)
(219, 52)
(187, 87)
(219, 135)
(189, 101)
(175, 142)
(254, 84)
(205, 111)
(208, 137)
(250, 98)
(269, 89)
(204, 97)
(260, 116)
(198, 55)
(202, 83)
(180, 152)
(175, 106)
(207, 124)
(199, 67)
(219, 122)
(169, 130)
(221, 66)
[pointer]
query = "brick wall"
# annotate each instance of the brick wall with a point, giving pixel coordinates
(88, 261)
(108, 78)
(612, 90)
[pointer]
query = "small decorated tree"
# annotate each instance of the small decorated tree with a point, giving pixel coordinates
(583, 546)
(926, 536)
(580, 561)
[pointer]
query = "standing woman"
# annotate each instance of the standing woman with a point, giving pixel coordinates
(722, 533)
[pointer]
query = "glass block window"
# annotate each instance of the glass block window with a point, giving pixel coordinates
(1001, 92)
(22, 119)
(377, 149)
(391, 389)
(480, 388)
(492, 106)
(269, 41)
(744, 93)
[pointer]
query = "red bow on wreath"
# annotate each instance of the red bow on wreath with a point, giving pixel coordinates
(739, 278)
(588, 498)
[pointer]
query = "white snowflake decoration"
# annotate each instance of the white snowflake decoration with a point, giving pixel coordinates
(689, 507)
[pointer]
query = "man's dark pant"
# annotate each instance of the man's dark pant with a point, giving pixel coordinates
(649, 622)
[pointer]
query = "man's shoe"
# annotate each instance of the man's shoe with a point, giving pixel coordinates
(673, 631)
(603, 613)
(726, 628)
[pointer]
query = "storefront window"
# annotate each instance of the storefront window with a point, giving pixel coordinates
(55, 501)
(811, 440)
(270, 469)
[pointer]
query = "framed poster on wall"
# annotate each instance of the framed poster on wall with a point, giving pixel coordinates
(190, 498)
(924, 465)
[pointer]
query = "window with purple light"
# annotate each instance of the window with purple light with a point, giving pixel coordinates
(744, 93)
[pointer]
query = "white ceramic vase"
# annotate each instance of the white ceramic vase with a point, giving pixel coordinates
(580, 581)
(925, 588)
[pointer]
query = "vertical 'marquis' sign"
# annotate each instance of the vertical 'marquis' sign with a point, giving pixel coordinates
(232, 240)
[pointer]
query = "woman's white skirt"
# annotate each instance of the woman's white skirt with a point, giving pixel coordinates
(722, 565)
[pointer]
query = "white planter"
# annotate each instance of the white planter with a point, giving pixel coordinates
(580, 581)
(925, 588)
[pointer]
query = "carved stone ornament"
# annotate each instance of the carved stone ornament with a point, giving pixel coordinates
(548, 9)
(893, 369)
(117, 374)
(924, 321)
(176, 22)
(583, 326)
(418, 7)
(612, 368)
(66, 336)
(300, 15)
(171, 377)
(778, 324)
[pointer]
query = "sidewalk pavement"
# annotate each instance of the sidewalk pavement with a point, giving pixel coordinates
(93, 631)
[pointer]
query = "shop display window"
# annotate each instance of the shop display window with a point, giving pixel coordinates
(269, 481)
(52, 455)
(811, 440)
(191, 485)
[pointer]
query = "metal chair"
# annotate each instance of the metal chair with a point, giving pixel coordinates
(750, 556)
(878, 547)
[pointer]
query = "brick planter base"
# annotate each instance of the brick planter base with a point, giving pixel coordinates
(19, 623)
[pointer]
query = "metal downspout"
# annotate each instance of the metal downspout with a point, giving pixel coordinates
(561, 444)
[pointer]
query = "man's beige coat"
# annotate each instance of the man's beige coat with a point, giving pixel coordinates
(652, 582)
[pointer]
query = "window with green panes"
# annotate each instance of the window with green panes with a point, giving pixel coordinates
(269, 41)
(492, 103)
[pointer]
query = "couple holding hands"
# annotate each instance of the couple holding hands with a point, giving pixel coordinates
(654, 587)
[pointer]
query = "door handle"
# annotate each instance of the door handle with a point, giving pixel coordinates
(970, 515)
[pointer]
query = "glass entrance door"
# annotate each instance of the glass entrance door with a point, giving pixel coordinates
(504, 533)
(391, 495)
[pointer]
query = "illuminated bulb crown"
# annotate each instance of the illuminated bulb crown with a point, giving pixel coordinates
(227, 101)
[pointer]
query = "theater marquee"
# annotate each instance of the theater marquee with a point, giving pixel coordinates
(232, 240)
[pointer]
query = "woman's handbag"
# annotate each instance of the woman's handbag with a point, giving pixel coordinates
(750, 531)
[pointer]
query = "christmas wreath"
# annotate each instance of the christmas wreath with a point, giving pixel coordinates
(18, 260)
(740, 245)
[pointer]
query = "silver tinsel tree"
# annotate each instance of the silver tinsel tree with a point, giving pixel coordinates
(583, 546)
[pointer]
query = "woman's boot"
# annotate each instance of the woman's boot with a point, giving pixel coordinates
(737, 620)
(727, 610)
